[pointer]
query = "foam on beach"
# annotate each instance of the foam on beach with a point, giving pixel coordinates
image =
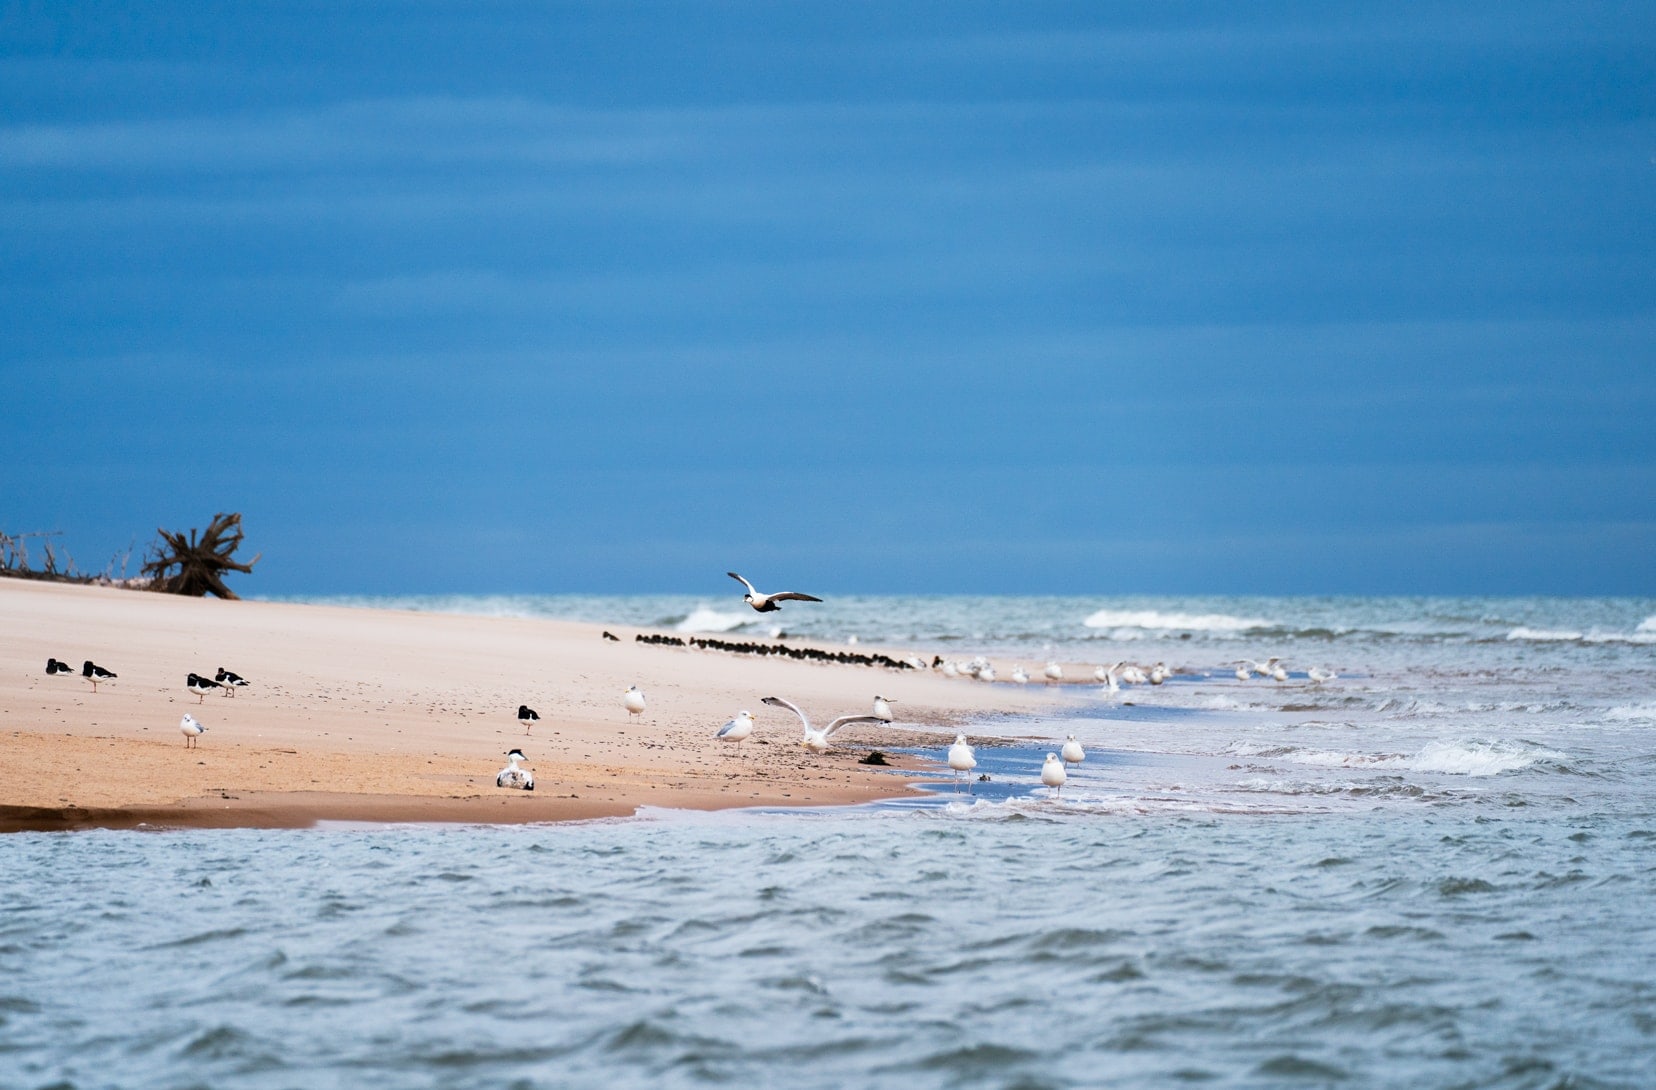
(1455, 758)
(703, 619)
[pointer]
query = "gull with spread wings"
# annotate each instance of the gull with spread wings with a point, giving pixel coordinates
(767, 603)
(817, 740)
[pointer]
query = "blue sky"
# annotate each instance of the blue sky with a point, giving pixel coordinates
(1303, 298)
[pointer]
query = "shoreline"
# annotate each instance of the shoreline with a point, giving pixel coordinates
(373, 715)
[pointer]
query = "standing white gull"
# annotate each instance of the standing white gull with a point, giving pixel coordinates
(962, 758)
(1318, 675)
(513, 776)
(1053, 774)
(882, 709)
(1019, 677)
(817, 740)
(1053, 672)
(192, 729)
(633, 699)
(1072, 752)
(738, 729)
(767, 603)
(1159, 673)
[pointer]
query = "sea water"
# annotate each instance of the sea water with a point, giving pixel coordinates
(1436, 869)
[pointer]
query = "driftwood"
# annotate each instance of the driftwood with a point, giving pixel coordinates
(180, 565)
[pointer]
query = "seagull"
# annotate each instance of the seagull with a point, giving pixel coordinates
(738, 729)
(512, 775)
(882, 709)
(527, 716)
(987, 673)
(817, 740)
(1054, 672)
(200, 686)
(767, 603)
(1318, 675)
(192, 729)
(94, 673)
(1132, 675)
(54, 667)
(1053, 774)
(1019, 677)
(1072, 752)
(1107, 674)
(1244, 669)
(1159, 673)
(230, 680)
(962, 758)
(1279, 672)
(1268, 668)
(950, 669)
(634, 701)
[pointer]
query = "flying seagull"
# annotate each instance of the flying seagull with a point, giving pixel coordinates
(817, 740)
(767, 603)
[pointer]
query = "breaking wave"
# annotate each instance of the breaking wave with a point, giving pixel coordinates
(703, 619)
(1157, 621)
(1464, 758)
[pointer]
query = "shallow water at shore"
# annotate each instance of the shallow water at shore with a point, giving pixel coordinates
(968, 945)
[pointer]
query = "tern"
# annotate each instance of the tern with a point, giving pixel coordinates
(882, 709)
(767, 603)
(192, 729)
(817, 740)
(513, 776)
(738, 729)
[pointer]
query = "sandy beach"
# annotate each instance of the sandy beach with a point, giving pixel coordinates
(380, 715)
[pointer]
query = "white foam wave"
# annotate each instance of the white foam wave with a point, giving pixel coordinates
(703, 619)
(1647, 625)
(1632, 713)
(1544, 634)
(1461, 758)
(1170, 622)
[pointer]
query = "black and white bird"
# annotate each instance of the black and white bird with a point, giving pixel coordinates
(767, 603)
(94, 673)
(200, 686)
(230, 680)
(513, 776)
(527, 716)
(55, 668)
(192, 729)
(817, 740)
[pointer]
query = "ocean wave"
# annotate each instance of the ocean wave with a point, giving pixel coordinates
(1456, 758)
(1647, 625)
(703, 619)
(1545, 635)
(1632, 713)
(1156, 620)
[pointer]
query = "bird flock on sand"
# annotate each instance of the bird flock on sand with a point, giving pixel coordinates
(961, 757)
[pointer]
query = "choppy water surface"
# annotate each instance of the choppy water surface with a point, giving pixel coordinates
(1436, 870)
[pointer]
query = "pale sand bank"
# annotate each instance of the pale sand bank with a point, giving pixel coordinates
(380, 715)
